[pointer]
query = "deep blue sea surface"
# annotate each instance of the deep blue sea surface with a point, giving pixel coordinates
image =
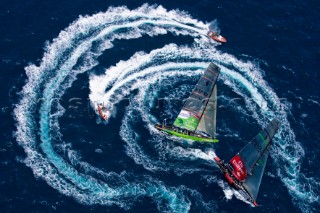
(60, 58)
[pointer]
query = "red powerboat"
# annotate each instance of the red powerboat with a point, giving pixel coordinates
(217, 37)
(103, 112)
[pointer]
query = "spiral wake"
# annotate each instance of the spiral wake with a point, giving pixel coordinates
(143, 77)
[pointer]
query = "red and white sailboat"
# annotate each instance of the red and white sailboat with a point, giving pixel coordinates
(244, 171)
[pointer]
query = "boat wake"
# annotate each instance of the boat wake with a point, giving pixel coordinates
(214, 26)
(142, 79)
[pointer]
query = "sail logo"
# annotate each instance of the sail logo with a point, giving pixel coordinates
(184, 114)
(239, 167)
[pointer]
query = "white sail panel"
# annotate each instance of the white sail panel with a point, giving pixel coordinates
(207, 122)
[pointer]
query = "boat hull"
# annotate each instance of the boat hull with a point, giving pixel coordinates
(234, 182)
(220, 39)
(216, 37)
(103, 115)
(189, 137)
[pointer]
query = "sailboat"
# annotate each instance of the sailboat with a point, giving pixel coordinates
(197, 119)
(244, 171)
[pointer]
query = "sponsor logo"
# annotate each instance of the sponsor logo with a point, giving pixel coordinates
(238, 164)
(184, 114)
(239, 167)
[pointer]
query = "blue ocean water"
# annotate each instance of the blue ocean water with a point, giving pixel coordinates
(59, 59)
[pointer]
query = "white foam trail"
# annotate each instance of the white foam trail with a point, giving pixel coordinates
(214, 26)
(73, 52)
(250, 81)
(62, 48)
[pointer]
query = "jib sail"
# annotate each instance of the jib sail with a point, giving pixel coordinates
(199, 109)
(207, 122)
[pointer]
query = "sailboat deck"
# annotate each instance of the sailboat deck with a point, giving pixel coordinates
(183, 133)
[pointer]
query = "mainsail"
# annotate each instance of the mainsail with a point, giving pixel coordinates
(253, 181)
(199, 111)
(250, 162)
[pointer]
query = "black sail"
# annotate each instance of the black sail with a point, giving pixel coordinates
(253, 181)
(254, 158)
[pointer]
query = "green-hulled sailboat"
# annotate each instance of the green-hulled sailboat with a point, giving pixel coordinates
(197, 119)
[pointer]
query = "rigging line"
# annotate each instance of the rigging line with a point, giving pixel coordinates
(207, 78)
(191, 110)
(198, 94)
